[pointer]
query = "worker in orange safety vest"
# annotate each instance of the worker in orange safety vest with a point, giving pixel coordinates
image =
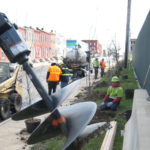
(53, 77)
(102, 66)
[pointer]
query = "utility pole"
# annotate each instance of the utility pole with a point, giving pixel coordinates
(127, 34)
(88, 59)
(89, 72)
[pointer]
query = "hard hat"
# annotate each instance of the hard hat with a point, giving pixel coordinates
(115, 79)
(61, 63)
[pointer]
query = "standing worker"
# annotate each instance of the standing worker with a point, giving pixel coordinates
(114, 95)
(64, 78)
(96, 66)
(53, 77)
(102, 66)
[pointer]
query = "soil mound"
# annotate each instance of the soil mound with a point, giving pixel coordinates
(103, 116)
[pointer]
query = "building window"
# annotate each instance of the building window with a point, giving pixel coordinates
(44, 39)
(35, 52)
(38, 50)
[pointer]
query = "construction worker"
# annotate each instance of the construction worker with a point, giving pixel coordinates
(53, 77)
(64, 78)
(113, 96)
(102, 66)
(96, 66)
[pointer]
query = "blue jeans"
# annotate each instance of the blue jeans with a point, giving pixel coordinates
(102, 72)
(96, 72)
(63, 84)
(112, 107)
(52, 86)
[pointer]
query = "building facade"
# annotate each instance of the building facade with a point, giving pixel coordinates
(44, 45)
(3, 56)
(41, 44)
(94, 46)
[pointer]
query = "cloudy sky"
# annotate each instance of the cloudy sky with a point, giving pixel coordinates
(103, 20)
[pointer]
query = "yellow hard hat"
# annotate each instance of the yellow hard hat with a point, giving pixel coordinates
(61, 63)
(115, 79)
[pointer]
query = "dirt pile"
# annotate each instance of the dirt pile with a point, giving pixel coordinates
(100, 84)
(103, 116)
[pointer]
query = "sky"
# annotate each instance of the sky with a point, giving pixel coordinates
(103, 20)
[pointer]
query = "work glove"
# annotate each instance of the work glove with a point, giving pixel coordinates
(109, 104)
(103, 103)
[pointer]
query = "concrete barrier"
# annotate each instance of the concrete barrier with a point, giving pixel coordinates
(137, 129)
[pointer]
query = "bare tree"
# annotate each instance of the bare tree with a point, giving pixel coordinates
(113, 50)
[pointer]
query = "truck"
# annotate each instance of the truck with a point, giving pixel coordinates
(77, 61)
(10, 89)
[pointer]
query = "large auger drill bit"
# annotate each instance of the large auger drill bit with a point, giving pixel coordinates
(77, 117)
(70, 121)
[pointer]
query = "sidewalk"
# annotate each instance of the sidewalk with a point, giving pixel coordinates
(41, 64)
(10, 137)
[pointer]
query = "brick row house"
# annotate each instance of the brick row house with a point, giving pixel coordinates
(42, 44)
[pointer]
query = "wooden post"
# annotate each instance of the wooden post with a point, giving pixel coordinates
(109, 137)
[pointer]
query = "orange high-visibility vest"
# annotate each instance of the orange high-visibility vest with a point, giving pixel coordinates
(55, 73)
(103, 65)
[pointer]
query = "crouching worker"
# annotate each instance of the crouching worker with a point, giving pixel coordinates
(113, 96)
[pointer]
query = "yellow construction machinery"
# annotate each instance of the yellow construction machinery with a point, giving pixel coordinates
(10, 89)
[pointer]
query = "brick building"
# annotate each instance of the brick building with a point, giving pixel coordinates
(3, 56)
(94, 46)
(42, 44)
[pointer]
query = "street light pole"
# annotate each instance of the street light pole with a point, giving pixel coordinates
(127, 34)
(88, 59)
(89, 71)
